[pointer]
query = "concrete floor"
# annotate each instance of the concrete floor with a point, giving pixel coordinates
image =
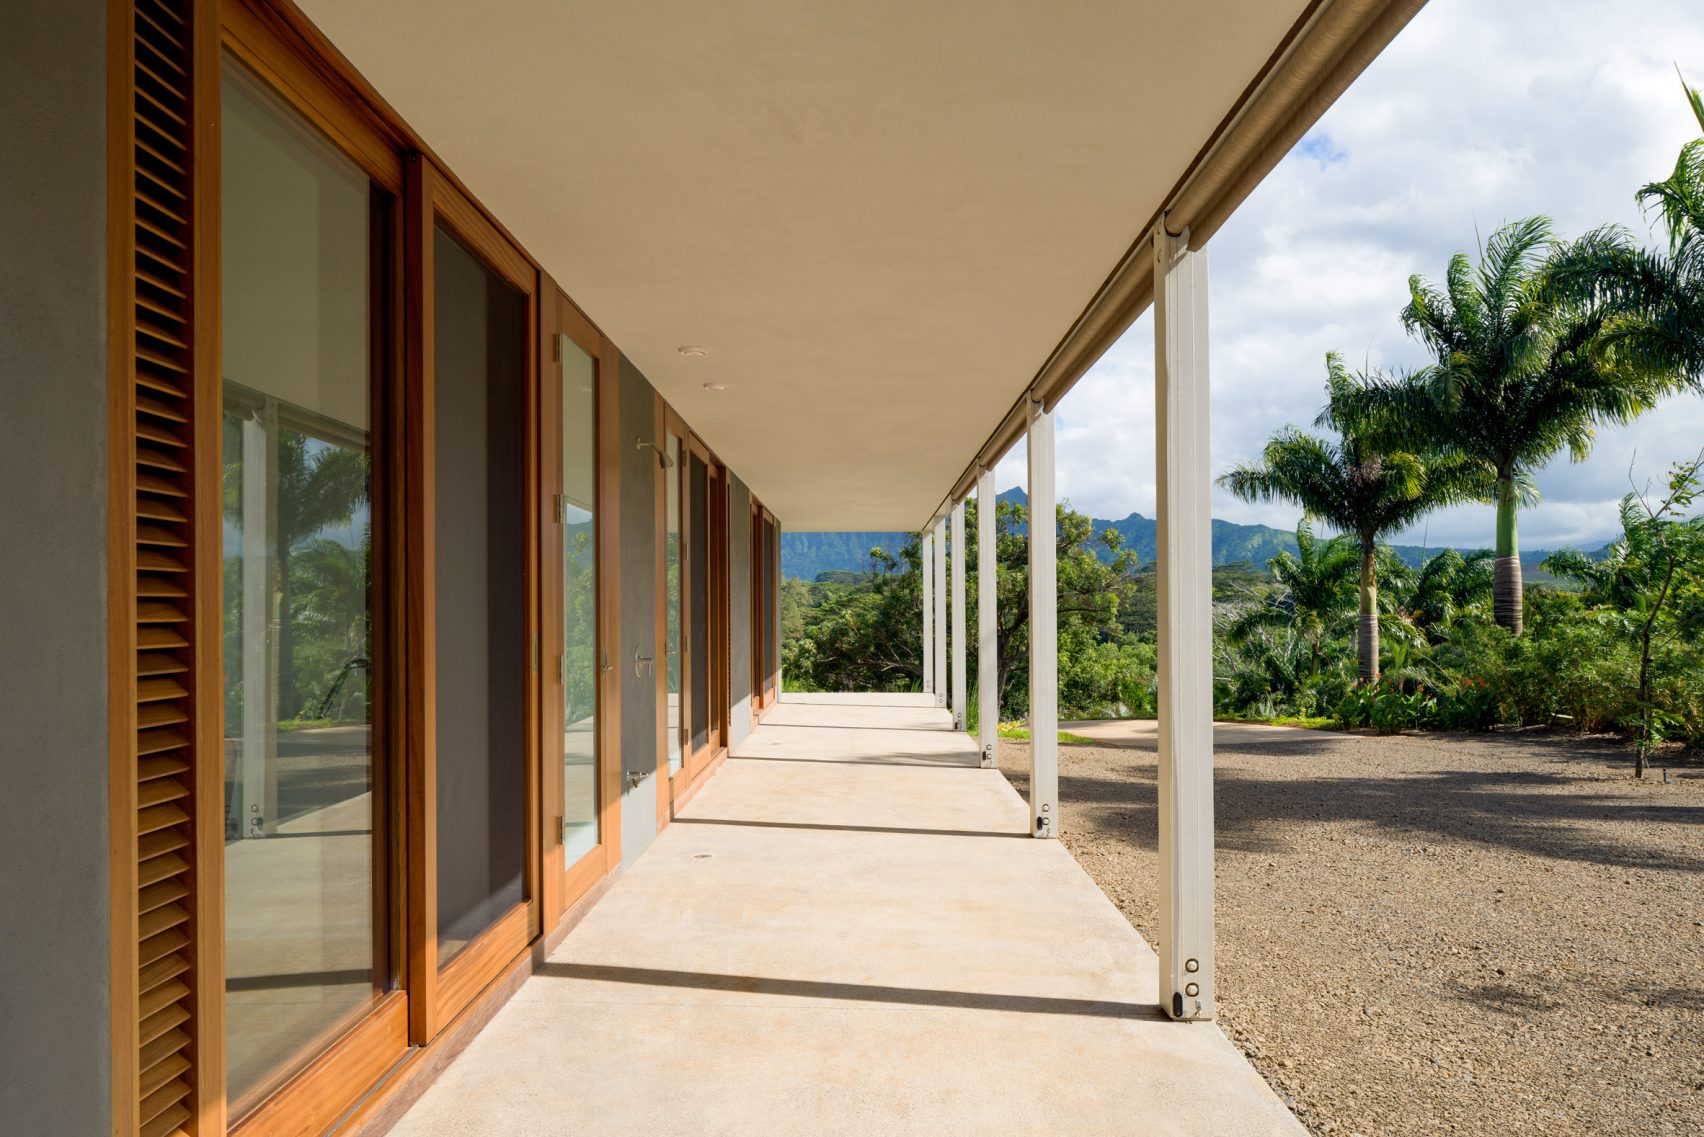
(848, 932)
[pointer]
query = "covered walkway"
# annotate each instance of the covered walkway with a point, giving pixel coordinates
(849, 932)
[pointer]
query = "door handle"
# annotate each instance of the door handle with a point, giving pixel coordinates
(642, 663)
(634, 777)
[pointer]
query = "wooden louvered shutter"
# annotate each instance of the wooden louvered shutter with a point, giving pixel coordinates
(167, 798)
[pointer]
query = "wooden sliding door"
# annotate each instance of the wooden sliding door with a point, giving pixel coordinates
(309, 234)
(257, 914)
(765, 579)
(581, 717)
(364, 571)
(704, 610)
(473, 651)
(672, 578)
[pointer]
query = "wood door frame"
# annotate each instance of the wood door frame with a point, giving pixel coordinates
(439, 994)
(564, 884)
(772, 635)
(351, 1057)
(609, 595)
(754, 550)
(766, 594)
(426, 1011)
(669, 422)
(695, 763)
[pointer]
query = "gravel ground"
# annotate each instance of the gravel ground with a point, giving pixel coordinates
(1431, 934)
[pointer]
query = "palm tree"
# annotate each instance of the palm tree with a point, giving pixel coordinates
(317, 486)
(1656, 298)
(1447, 584)
(1358, 485)
(1265, 670)
(1518, 373)
(332, 617)
(1315, 594)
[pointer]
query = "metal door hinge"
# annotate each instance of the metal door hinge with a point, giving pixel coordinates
(561, 509)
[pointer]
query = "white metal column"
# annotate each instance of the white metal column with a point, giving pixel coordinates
(1185, 628)
(960, 680)
(987, 634)
(260, 616)
(1044, 628)
(927, 568)
(941, 613)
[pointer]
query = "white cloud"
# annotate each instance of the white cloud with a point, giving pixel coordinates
(1482, 111)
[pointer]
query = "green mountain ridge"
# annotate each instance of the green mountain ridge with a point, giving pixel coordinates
(805, 555)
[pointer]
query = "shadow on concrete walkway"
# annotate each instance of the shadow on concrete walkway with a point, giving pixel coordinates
(809, 950)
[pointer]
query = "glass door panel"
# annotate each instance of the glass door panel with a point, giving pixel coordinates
(672, 599)
(579, 602)
(698, 639)
(767, 650)
(479, 362)
(304, 854)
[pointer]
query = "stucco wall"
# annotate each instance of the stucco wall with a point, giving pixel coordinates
(54, 1026)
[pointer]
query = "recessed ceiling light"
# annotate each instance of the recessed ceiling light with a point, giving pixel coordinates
(715, 386)
(693, 352)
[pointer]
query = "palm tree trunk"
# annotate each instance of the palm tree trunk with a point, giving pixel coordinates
(1367, 637)
(1506, 584)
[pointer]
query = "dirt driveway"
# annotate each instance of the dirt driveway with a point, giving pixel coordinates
(1434, 934)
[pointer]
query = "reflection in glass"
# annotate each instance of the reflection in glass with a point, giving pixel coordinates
(698, 642)
(579, 604)
(479, 385)
(301, 863)
(671, 598)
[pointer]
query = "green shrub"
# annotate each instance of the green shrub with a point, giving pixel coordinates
(1355, 708)
(1470, 704)
(1387, 707)
(1139, 695)
(1574, 665)
(1094, 678)
(1677, 692)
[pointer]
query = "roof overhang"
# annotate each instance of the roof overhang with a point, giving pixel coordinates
(889, 224)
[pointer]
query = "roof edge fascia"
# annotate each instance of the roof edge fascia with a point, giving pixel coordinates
(1328, 47)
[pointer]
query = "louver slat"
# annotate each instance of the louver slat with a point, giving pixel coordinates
(164, 432)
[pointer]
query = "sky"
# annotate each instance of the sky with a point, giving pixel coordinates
(1480, 112)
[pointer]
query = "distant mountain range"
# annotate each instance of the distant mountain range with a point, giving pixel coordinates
(804, 555)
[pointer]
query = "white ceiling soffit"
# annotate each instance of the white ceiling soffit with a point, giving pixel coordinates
(879, 218)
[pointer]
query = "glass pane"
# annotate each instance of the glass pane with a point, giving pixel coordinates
(698, 495)
(301, 866)
(671, 599)
(479, 354)
(579, 603)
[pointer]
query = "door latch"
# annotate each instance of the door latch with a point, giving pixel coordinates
(634, 777)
